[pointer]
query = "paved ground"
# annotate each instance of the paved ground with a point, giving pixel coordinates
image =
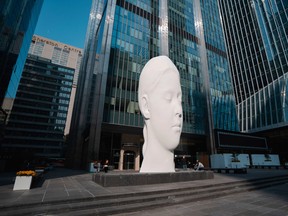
(65, 184)
(266, 202)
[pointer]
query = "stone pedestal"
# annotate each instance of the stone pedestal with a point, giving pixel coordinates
(116, 179)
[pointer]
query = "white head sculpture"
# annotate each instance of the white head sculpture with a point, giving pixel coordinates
(159, 97)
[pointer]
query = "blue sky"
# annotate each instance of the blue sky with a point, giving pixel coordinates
(64, 21)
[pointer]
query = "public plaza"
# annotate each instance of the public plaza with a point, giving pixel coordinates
(164, 107)
(72, 192)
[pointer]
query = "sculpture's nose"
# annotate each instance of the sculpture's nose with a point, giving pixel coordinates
(179, 110)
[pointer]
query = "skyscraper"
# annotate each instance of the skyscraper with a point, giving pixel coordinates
(257, 45)
(44, 101)
(61, 54)
(37, 121)
(122, 36)
(18, 21)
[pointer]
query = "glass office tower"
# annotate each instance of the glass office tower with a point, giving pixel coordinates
(257, 45)
(256, 36)
(18, 21)
(122, 36)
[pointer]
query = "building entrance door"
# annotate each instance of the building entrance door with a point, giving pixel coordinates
(129, 160)
(129, 157)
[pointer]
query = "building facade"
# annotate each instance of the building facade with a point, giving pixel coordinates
(61, 54)
(37, 121)
(18, 22)
(121, 37)
(257, 45)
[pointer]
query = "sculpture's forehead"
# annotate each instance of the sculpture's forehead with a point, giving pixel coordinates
(169, 81)
(164, 60)
(160, 63)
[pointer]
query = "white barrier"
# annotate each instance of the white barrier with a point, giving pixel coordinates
(228, 160)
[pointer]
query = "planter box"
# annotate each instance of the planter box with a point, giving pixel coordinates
(22, 183)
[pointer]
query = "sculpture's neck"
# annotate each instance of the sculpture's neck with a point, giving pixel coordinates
(156, 160)
(157, 157)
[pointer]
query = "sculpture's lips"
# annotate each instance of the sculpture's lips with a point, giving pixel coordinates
(177, 127)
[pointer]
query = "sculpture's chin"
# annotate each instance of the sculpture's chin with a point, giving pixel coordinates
(173, 147)
(173, 144)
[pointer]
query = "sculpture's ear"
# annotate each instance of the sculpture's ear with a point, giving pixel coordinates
(145, 106)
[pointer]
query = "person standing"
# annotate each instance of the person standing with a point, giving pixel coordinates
(106, 164)
(95, 166)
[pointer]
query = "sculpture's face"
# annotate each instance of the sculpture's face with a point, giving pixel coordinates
(165, 108)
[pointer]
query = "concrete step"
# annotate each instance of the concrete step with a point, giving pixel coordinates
(121, 203)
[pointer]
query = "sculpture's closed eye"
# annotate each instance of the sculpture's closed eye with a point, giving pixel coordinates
(168, 96)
